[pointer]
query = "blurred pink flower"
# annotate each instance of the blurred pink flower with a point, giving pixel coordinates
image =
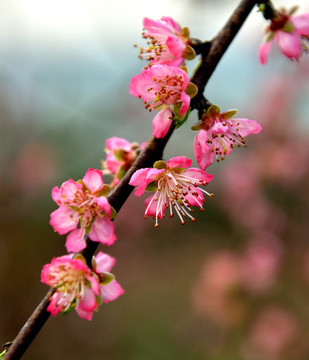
(274, 330)
(289, 32)
(79, 288)
(175, 186)
(216, 292)
(218, 134)
(83, 210)
(37, 162)
(120, 156)
(261, 261)
(161, 86)
(168, 43)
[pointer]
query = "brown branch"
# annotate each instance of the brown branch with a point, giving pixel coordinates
(211, 56)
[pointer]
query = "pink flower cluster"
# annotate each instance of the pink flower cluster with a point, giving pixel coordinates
(83, 210)
(77, 287)
(120, 156)
(165, 87)
(219, 134)
(168, 42)
(290, 33)
(175, 186)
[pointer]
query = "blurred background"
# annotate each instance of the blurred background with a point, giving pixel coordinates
(232, 286)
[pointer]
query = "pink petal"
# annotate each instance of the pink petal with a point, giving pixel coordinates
(66, 193)
(88, 301)
(155, 27)
(141, 82)
(246, 126)
(141, 178)
(204, 155)
(179, 162)
(172, 23)
(84, 314)
(104, 262)
(198, 174)
(301, 23)
(95, 285)
(219, 128)
(264, 50)
(117, 143)
(112, 163)
(104, 205)
(53, 308)
(102, 230)
(111, 291)
(289, 44)
(161, 123)
(185, 98)
(93, 180)
(195, 200)
(153, 209)
(76, 241)
(64, 220)
(176, 46)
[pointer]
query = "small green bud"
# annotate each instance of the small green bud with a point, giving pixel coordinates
(120, 173)
(185, 32)
(160, 164)
(198, 126)
(288, 27)
(228, 114)
(79, 257)
(184, 68)
(213, 111)
(119, 154)
(191, 90)
(153, 186)
(106, 278)
(189, 53)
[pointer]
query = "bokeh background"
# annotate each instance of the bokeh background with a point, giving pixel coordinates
(232, 286)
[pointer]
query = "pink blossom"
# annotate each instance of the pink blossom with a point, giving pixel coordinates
(216, 291)
(79, 288)
(261, 262)
(289, 32)
(168, 43)
(83, 210)
(120, 156)
(160, 87)
(175, 186)
(273, 332)
(219, 134)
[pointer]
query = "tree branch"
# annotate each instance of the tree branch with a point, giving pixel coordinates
(211, 55)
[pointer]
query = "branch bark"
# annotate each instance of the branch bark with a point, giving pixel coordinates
(211, 55)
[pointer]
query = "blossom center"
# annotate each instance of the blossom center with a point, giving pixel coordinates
(177, 191)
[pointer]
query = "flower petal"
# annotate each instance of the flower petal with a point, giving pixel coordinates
(289, 44)
(76, 241)
(301, 23)
(179, 162)
(102, 230)
(204, 155)
(117, 143)
(64, 219)
(246, 126)
(198, 174)
(161, 123)
(264, 50)
(104, 205)
(93, 180)
(111, 291)
(104, 262)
